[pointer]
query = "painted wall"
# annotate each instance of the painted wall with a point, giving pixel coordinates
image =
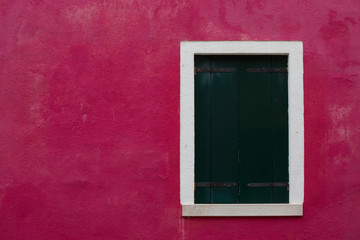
(89, 116)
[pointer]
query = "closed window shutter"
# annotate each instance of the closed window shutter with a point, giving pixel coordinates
(241, 129)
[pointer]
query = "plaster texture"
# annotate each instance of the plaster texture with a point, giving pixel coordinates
(90, 122)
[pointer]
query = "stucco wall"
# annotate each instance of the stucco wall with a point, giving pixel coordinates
(89, 116)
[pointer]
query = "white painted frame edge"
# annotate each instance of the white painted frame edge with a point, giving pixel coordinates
(233, 210)
(294, 50)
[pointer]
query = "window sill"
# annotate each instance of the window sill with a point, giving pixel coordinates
(233, 210)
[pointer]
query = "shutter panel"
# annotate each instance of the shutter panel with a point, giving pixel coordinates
(281, 125)
(255, 134)
(224, 129)
(202, 130)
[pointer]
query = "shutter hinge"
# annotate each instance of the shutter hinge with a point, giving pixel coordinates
(269, 185)
(267, 70)
(213, 70)
(215, 184)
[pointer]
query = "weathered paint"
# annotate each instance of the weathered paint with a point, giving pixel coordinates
(89, 124)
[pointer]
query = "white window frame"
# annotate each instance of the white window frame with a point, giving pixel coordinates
(294, 51)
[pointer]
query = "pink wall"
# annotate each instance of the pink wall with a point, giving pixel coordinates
(89, 116)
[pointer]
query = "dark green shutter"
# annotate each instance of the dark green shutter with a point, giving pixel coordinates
(241, 129)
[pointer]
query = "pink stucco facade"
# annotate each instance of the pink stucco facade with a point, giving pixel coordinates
(89, 116)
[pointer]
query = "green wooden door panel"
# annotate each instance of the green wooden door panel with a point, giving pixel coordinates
(241, 129)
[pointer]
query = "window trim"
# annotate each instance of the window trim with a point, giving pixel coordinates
(294, 51)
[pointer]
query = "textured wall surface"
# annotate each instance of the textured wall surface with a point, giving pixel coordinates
(89, 116)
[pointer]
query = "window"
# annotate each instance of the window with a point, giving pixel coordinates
(241, 129)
